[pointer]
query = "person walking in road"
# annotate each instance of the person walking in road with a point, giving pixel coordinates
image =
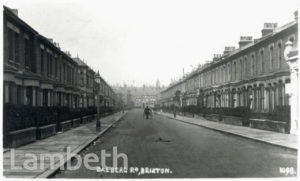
(147, 112)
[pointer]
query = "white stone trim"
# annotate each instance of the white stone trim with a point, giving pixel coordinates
(26, 36)
(46, 86)
(49, 51)
(34, 83)
(13, 27)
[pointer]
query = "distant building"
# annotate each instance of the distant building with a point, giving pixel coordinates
(145, 100)
(140, 96)
(86, 83)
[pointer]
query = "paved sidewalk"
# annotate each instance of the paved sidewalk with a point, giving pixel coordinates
(77, 139)
(274, 138)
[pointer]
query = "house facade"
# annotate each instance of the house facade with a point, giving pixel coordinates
(37, 72)
(254, 75)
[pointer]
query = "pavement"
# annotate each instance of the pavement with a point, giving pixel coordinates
(77, 139)
(188, 151)
(277, 139)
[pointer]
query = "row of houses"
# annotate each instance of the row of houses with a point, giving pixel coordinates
(144, 101)
(254, 75)
(38, 73)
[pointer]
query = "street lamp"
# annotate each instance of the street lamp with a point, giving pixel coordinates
(97, 97)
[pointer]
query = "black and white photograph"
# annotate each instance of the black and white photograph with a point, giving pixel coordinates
(150, 89)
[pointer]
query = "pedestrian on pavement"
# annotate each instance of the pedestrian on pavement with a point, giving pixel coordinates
(174, 112)
(98, 122)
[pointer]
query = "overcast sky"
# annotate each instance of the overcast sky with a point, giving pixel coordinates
(138, 41)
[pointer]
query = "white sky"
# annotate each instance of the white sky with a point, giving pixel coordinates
(138, 41)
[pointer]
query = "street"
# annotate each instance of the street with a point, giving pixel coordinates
(150, 89)
(187, 150)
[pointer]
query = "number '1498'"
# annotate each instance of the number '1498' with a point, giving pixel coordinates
(287, 170)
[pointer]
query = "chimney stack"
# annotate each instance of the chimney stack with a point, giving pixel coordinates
(228, 50)
(268, 28)
(245, 40)
(68, 53)
(296, 15)
(15, 11)
(216, 56)
(50, 39)
(56, 45)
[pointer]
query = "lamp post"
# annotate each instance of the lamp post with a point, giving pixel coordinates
(292, 89)
(248, 112)
(97, 97)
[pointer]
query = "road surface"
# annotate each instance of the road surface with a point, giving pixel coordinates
(189, 151)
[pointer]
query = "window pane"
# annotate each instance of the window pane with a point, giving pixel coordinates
(27, 54)
(16, 47)
(10, 45)
(42, 61)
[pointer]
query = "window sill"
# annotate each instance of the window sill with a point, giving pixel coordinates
(14, 63)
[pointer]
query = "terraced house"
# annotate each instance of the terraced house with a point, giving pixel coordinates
(38, 73)
(86, 83)
(44, 87)
(255, 75)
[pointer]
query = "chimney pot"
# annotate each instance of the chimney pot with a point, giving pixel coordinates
(246, 38)
(56, 44)
(228, 49)
(216, 56)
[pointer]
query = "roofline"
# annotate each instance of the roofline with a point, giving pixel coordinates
(36, 33)
(11, 14)
(235, 53)
(45, 40)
